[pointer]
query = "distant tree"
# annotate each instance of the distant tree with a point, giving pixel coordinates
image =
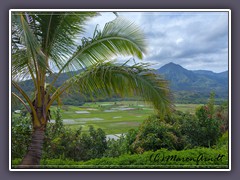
(211, 103)
(205, 129)
(222, 115)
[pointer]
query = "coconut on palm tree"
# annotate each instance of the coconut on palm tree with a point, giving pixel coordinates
(44, 45)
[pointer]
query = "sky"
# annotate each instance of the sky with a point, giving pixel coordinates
(194, 40)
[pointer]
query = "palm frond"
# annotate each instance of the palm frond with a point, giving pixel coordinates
(33, 47)
(118, 37)
(27, 57)
(16, 99)
(26, 98)
(57, 32)
(106, 79)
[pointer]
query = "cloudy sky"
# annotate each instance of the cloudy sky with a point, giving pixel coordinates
(195, 40)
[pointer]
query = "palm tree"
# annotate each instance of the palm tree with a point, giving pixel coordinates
(44, 43)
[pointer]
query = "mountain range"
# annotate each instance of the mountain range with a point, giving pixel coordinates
(188, 85)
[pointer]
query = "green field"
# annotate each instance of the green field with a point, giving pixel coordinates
(113, 117)
(187, 108)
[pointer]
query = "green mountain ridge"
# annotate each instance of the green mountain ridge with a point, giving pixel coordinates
(187, 86)
(196, 85)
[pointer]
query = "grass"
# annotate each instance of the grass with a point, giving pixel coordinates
(190, 108)
(112, 117)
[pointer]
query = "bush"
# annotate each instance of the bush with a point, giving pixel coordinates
(208, 127)
(21, 135)
(75, 145)
(154, 134)
(117, 147)
(60, 142)
(205, 129)
(221, 114)
(223, 141)
(160, 159)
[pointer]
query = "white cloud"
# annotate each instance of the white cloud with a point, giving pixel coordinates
(195, 40)
(179, 41)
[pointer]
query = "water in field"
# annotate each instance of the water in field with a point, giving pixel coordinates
(65, 121)
(116, 117)
(112, 117)
(113, 136)
(123, 108)
(82, 112)
(111, 110)
(89, 119)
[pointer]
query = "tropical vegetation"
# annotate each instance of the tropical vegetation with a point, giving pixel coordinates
(49, 45)
(180, 134)
(44, 44)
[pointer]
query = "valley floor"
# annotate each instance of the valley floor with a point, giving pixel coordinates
(113, 117)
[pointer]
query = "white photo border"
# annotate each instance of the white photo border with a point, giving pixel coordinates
(127, 10)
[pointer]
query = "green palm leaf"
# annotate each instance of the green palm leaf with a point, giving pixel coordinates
(30, 44)
(106, 79)
(57, 32)
(118, 37)
(48, 34)
(19, 65)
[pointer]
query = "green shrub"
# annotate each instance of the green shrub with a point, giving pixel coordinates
(20, 136)
(221, 114)
(117, 147)
(208, 127)
(205, 129)
(76, 145)
(160, 159)
(223, 141)
(154, 134)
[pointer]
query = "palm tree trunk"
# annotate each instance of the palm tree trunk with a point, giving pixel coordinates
(34, 153)
(33, 156)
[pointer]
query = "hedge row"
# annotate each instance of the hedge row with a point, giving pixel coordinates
(161, 159)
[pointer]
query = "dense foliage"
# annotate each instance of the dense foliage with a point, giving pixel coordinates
(161, 159)
(183, 130)
(20, 136)
(176, 132)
